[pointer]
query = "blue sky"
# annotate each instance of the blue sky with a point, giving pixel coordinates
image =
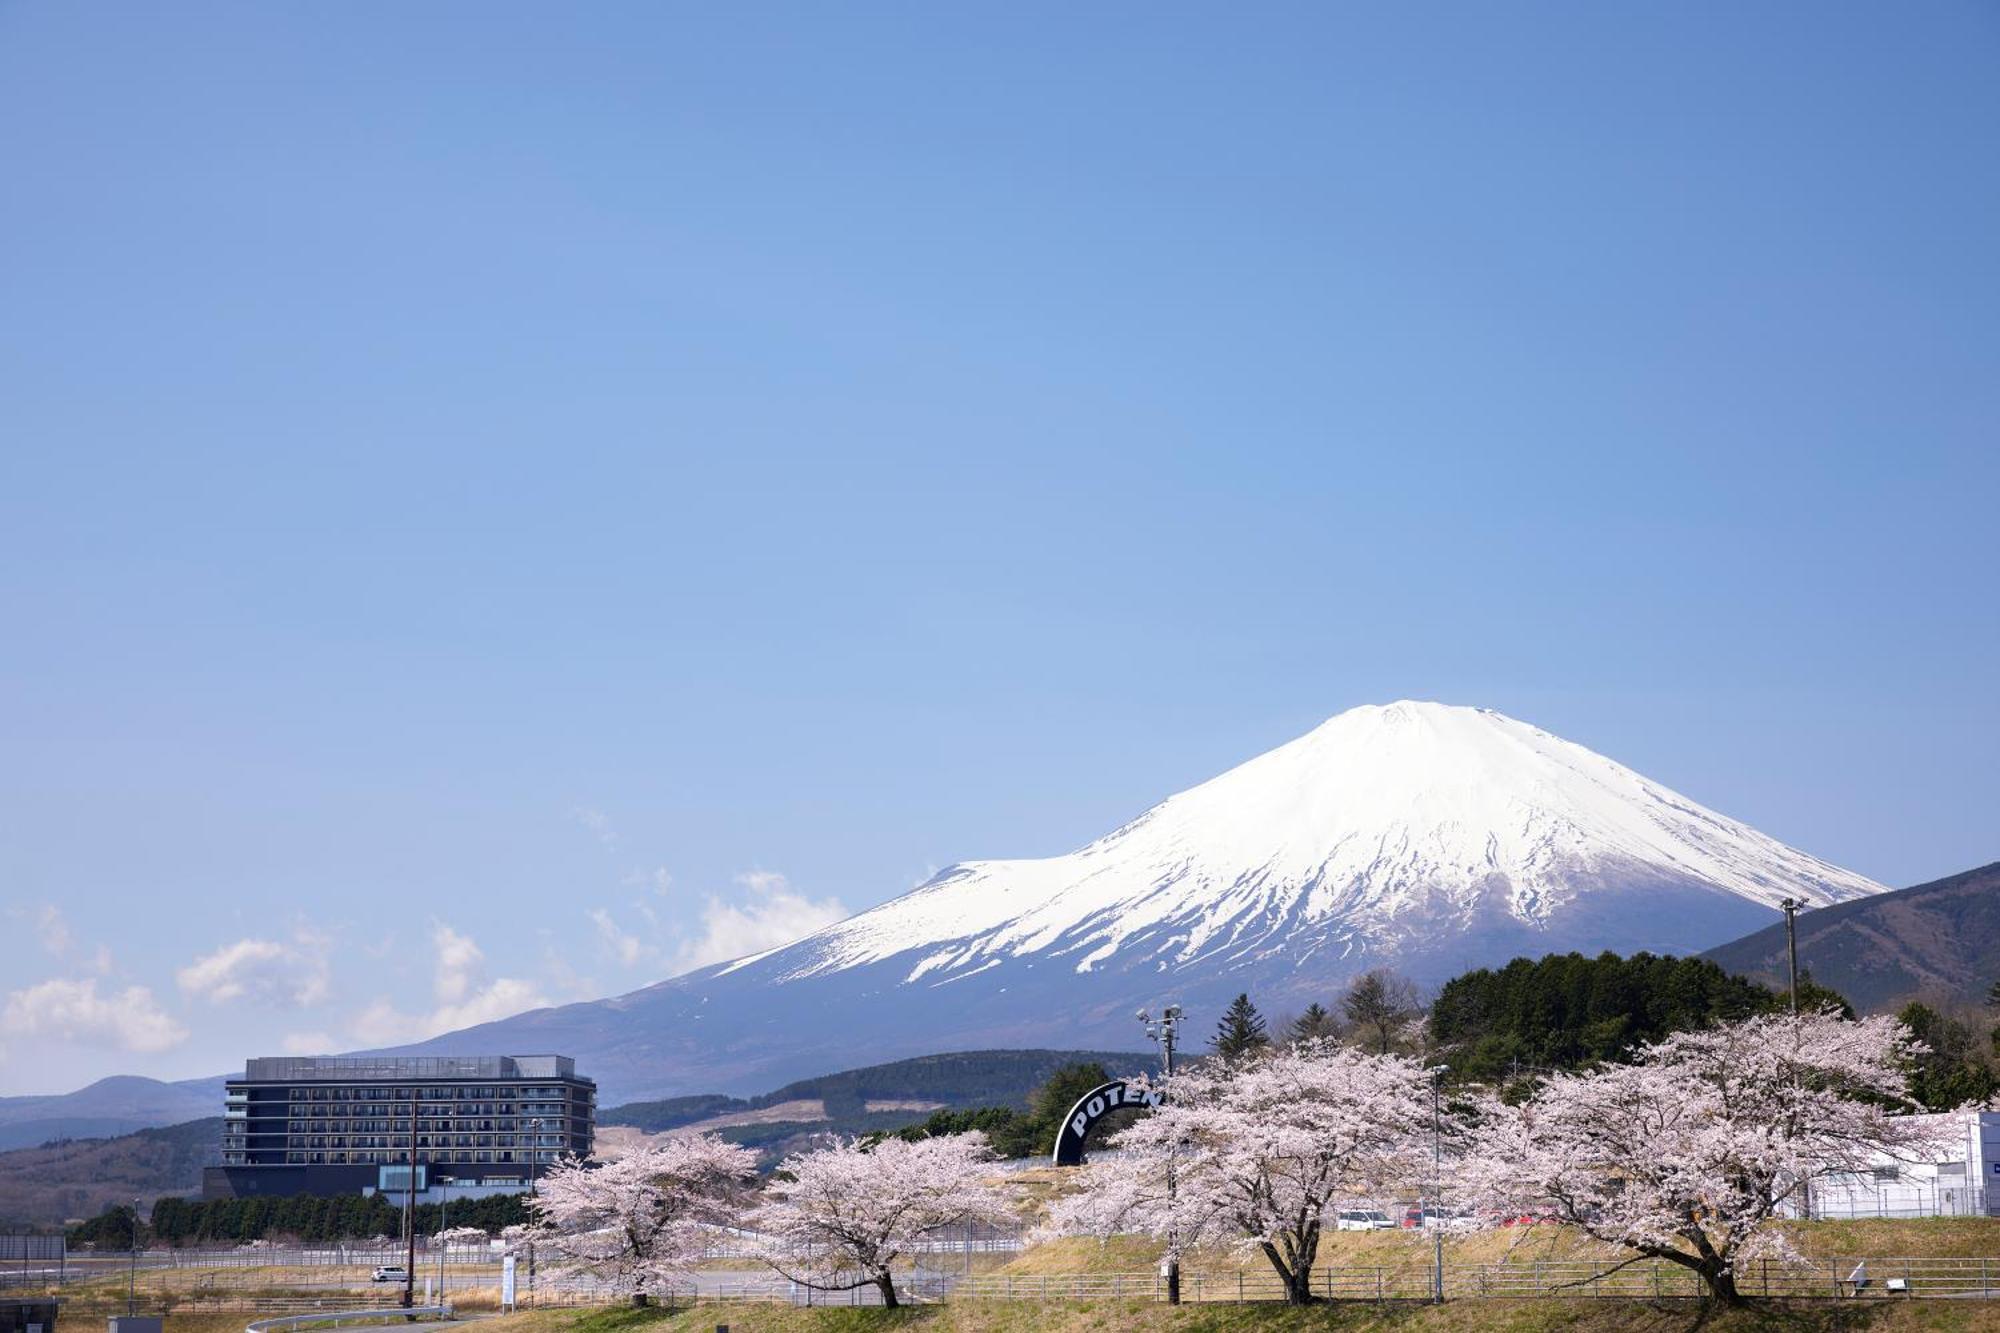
(499, 502)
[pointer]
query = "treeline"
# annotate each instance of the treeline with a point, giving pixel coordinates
(1506, 1026)
(303, 1217)
(1566, 1011)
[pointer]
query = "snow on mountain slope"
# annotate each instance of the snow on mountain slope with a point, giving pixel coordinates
(1429, 838)
(1391, 825)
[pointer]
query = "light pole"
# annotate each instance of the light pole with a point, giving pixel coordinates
(444, 1206)
(1164, 1032)
(1437, 1183)
(132, 1270)
(410, 1213)
(1791, 908)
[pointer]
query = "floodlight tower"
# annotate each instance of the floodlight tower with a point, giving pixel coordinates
(1164, 1030)
(1792, 907)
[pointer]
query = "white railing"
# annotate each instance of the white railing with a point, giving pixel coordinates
(338, 1317)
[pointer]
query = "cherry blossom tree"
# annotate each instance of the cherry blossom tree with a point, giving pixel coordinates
(645, 1218)
(1690, 1153)
(1259, 1153)
(841, 1217)
(461, 1236)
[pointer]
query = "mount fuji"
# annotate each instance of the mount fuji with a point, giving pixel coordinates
(1420, 836)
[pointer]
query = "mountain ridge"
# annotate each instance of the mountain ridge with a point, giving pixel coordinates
(1939, 939)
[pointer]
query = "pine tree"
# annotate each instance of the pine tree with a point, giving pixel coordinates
(1312, 1025)
(1241, 1031)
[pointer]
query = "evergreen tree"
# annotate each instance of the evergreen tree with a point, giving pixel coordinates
(1314, 1024)
(1241, 1031)
(1566, 1011)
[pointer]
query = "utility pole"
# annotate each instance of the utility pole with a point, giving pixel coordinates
(410, 1212)
(1164, 1032)
(1791, 908)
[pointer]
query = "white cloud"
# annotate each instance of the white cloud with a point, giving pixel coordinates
(52, 930)
(458, 984)
(621, 944)
(459, 963)
(773, 914)
(290, 975)
(74, 1011)
(598, 823)
(308, 1043)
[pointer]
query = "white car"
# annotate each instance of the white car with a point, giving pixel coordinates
(391, 1273)
(1362, 1219)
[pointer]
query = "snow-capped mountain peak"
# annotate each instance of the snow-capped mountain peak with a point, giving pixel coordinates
(1383, 830)
(1429, 838)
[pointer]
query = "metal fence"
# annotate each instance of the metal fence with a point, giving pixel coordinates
(233, 1281)
(1843, 1201)
(1892, 1278)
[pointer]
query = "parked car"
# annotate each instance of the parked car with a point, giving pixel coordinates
(391, 1273)
(1437, 1217)
(1362, 1219)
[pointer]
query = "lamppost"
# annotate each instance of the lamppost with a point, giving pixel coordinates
(1163, 1032)
(132, 1270)
(1437, 1184)
(1792, 907)
(410, 1212)
(444, 1206)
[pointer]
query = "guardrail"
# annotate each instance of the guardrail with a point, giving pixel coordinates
(338, 1317)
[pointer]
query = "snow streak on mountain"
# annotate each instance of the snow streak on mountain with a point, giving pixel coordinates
(1421, 836)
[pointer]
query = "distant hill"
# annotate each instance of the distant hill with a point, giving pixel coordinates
(81, 1177)
(1940, 939)
(954, 1079)
(111, 1106)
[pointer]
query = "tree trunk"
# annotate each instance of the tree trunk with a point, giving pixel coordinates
(886, 1284)
(640, 1299)
(1298, 1282)
(1721, 1282)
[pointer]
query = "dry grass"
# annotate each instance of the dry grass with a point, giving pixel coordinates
(1928, 1237)
(1458, 1317)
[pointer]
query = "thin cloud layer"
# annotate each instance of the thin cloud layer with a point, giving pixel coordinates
(463, 995)
(70, 1010)
(770, 914)
(291, 974)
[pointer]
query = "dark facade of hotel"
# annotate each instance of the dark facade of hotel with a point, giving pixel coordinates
(342, 1124)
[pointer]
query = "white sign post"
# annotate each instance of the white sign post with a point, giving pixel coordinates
(507, 1283)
